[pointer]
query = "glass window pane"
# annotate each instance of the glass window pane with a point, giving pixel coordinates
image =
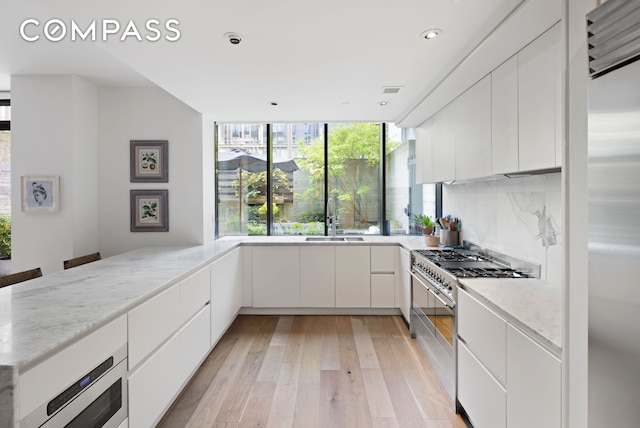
(242, 175)
(5, 112)
(5, 172)
(354, 162)
(298, 179)
(406, 199)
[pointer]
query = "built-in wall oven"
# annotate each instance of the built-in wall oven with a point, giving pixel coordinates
(434, 288)
(96, 400)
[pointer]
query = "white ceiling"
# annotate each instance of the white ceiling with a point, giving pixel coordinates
(320, 61)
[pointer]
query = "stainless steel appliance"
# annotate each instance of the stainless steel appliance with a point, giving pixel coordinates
(96, 400)
(614, 214)
(434, 289)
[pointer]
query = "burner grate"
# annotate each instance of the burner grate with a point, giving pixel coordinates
(487, 273)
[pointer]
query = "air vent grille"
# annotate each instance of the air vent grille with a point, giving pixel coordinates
(613, 31)
(390, 89)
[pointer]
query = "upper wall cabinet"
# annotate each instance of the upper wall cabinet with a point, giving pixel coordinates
(424, 169)
(504, 117)
(472, 130)
(510, 121)
(539, 102)
(443, 147)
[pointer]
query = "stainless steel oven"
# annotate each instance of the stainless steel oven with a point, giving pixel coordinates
(96, 400)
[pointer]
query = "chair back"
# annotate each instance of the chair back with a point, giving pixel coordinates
(81, 260)
(14, 278)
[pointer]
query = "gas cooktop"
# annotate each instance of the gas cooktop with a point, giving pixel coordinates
(465, 263)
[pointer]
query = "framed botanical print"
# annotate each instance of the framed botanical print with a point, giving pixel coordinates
(40, 193)
(149, 161)
(149, 210)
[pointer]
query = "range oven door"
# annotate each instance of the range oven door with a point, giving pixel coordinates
(437, 315)
(433, 327)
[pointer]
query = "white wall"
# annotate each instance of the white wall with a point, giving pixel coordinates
(54, 133)
(521, 217)
(150, 114)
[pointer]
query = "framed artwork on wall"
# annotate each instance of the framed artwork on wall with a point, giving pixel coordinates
(149, 210)
(149, 161)
(40, 193)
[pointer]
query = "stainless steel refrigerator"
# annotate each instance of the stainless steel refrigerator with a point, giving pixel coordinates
(614, 215)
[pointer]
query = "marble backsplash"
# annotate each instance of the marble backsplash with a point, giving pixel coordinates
(520, 216)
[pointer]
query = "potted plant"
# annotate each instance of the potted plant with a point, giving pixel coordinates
(428, 225)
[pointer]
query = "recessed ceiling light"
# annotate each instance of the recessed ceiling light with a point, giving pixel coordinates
(383, 103)
(430, 34)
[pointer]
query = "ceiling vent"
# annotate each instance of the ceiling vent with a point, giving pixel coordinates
(613, 31)
(391, 89)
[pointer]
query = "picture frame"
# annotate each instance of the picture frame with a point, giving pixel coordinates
(149, 161)
(149, 210)
(40, 193)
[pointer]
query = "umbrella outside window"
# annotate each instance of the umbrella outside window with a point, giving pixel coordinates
(245, 161)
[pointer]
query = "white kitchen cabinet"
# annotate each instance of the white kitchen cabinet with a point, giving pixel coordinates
(154, 384)
(226, 292)
(424, 156)
(383, 259)
(195, 292)
(482, 397)
(473, 131)
(158, 380)
(403, 282)
(443, 152)
(484, 333)
(383, 290)
(538, 70)
(276, 276)
(194, 341)
(318, 276)
(534, 384)
(151, 323)
(353, 277)
(504, 117)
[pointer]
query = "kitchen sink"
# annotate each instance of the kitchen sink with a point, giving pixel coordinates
(333, 239)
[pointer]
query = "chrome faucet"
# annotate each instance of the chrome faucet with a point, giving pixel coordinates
(332, 215)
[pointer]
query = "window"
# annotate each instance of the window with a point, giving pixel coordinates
(308, 162)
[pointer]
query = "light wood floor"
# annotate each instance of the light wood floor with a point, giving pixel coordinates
(314, 371)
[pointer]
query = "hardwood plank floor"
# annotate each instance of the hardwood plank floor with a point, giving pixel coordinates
(314, 371)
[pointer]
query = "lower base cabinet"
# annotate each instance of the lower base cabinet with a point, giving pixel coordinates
(534, 383)
(482, 397)
(383, 290)
(158, 380)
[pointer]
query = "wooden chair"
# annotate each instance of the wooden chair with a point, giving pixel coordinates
(81, 260)
(14, 278)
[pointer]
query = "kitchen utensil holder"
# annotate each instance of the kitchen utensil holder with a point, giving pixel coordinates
(449, 238)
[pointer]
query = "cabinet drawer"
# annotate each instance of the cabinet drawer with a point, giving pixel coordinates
(195, 292)
(153, 385)
(382, 259)
(484, 332)
(152, 323)
(383, 290)
(484, 400)
(194, 342)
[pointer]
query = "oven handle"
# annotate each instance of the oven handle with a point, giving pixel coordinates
(440, 299)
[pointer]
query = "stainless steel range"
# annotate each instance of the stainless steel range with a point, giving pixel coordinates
(434, 287)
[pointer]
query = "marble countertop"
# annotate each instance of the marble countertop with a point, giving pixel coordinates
(41, 316)
(532, 305)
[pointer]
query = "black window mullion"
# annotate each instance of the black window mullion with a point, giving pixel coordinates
(326, 178)
(384, 230)
(269, 180)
